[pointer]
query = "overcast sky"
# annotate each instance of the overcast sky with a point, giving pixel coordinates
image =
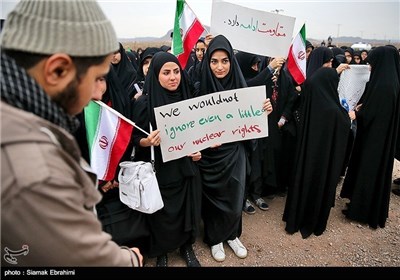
(323, 18)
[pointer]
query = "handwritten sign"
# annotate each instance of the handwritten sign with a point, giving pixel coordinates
(352, 84)
(221, 117)
(251, 30)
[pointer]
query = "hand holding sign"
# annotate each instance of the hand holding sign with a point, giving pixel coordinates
(267, 106)
(195, 124)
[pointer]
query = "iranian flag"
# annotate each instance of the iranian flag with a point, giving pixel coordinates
(187, 30)
(296, 62)
(108, 135)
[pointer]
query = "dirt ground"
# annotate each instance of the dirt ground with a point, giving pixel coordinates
(343, 244)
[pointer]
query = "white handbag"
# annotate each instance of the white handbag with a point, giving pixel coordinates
(138, 186)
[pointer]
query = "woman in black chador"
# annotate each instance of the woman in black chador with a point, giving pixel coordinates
(369, 175)
(320, 155)
(272, 158)
(177, 224)
(143, 67)
(126, 73)
(223, 167)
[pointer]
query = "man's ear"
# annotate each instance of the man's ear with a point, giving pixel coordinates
(59, 70)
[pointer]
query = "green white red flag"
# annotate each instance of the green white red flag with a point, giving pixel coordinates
(108, 136)
(296, 61)
(187, 30)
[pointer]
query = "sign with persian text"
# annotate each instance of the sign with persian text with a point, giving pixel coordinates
(195, 124)
(252, 31)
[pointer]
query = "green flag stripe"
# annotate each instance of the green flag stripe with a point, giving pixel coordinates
(303, 34)
(177, 38)
(179, 7)
(92, 115)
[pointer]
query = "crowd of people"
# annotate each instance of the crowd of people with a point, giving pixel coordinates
(51, 199)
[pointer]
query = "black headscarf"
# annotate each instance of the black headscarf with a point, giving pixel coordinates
(157, 95)
(339, 57)
(309, 45)
(165, 48)
(115, 95)
(246, 62)
(194, 70)
(356, 54)
(208, 82)
(350, 51)
(125, 71)
(317, 58)
(148, 52)
(133, 58)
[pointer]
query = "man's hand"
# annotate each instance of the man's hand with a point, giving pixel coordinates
(137, 251)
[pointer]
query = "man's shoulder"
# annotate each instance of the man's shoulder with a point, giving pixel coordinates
(19, 126)
(21, 147)
(29, 150)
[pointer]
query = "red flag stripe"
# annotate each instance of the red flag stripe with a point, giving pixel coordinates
(294, 68)
(123, 135)
(189, 41)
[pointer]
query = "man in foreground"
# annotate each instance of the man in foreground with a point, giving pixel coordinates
(52, 52)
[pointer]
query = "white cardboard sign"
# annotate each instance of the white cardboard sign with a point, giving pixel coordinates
(221, 117)
(252, 31)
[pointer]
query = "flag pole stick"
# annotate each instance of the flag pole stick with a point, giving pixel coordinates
(120, 115)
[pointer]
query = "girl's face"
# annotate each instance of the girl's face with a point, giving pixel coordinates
(328, 64)
(200, 49)
(348, 57)
(220, 64)
(146, 65)
(170, 76)
(116, 58)
(364, 55)
(100, 88)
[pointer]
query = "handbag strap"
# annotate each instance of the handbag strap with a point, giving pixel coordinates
(152, 150)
